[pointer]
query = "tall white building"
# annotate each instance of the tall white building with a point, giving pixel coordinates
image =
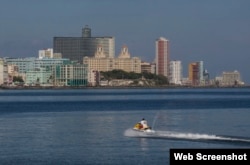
(3, 72)
(175, 76)
(162, 56)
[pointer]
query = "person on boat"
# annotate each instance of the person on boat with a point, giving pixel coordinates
(144, 124)
(138, 126)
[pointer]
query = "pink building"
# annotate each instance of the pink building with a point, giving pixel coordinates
(162, 56)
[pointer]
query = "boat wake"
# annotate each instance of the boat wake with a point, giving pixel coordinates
(187, 136)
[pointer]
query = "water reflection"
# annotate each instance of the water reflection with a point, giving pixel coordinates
(144, 144)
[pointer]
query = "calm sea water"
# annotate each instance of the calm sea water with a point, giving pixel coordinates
(93, 126)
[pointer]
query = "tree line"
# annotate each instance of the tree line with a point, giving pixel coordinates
(121, 74)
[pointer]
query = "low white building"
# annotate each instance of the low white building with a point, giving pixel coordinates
(70, 75)
(39, 76)
(93, 77)
(231, 78)
(48, 53)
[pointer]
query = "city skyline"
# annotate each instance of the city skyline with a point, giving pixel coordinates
(216, 32)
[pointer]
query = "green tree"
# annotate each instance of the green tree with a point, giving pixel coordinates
(120, 74)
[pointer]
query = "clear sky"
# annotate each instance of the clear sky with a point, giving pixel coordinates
(216, 32)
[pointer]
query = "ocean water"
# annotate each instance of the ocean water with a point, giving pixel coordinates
(93, 126)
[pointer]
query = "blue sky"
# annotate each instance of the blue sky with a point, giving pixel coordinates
(215, 31)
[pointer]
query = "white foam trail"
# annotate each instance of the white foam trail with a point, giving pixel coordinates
(171, 134)
(183, 136)
(197, 136)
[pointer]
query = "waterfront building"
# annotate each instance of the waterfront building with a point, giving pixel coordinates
(148, 67)
(12, 71)
(186, 81)
(33, 69)
(175, 69)
(162, 56)
(70, 75)
(195, 73)
(153, 68)
(126, 62)
(39, 76)
(145, 67)
(206, 77)
(101, 62)
(217, 81)
(93, 78)
(32, 63)
(231, 78)
(3, 72)
(75, 48)
(22, 64)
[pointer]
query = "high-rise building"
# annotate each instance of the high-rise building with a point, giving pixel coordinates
(162, 56)
(175, 76)
(75, 48)
(3, 72)
(195, 73)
